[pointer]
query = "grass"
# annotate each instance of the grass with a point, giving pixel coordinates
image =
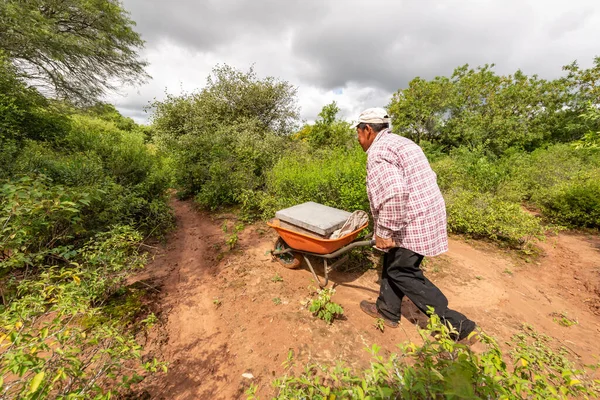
(562, 319)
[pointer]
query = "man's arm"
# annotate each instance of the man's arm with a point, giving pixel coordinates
(388, 187)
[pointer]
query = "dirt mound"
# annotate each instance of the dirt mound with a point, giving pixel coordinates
(228, 313)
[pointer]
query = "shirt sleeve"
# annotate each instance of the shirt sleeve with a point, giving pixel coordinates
(388, 185)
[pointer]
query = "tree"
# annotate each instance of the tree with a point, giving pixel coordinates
(233, 95)
(230, 96)
(327, 129)
(73, 49)
(224, 138)
(478, 108)
(418, 112)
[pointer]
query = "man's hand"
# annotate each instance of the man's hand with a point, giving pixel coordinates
(382, 243)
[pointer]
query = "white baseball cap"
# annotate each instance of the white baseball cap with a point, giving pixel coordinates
(374, 115)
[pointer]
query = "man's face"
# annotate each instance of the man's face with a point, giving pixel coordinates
(365, 137)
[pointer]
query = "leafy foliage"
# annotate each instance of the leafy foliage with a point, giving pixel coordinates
(487, 216)
(478, 108)
(24, 114)
(331, 177)
(323, 308)
(327, 130)
(441, 368)
(225, 138)
(54, 335)
(75, 49)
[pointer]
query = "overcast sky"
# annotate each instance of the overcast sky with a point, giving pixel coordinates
(356, 52)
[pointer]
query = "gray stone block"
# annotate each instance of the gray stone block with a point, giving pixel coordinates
(314, 217)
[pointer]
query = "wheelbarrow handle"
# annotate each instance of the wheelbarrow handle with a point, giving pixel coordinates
(343, 250)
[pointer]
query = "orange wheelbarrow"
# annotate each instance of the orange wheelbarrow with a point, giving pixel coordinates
(292, 246)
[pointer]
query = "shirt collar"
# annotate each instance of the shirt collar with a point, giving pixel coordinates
(379, 135)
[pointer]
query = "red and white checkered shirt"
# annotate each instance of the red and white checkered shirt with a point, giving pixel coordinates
(406, 202)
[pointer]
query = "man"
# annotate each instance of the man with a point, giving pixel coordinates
(409, 216)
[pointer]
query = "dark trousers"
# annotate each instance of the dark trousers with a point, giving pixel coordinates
(402, 276)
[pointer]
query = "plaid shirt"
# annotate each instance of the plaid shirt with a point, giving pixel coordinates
(406, 203)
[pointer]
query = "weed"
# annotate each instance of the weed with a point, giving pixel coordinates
(277, 278)
(217, 303)
(150, 320)
(289, 362)
(232, 240)
(479, 277)
(276, 301)
(380, 324)
(441, 368)
(507, 271)
(562, 319)
(323, 308)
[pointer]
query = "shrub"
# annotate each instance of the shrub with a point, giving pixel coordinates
(39, 220)
(124, 154)
(575, 203)
(441, 368)
(334, 177)
(323, 308)
(125, 178)
(487, 216)
(218, 166)
(471, 170)
(55, 337)
(561, 181)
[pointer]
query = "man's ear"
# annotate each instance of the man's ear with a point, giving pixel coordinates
(370, 130)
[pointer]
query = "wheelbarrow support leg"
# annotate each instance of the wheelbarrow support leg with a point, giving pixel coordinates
(321, 285)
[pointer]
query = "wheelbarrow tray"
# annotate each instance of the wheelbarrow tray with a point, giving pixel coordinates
(311, 244)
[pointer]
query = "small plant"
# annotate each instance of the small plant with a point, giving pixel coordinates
(217, 303)
(277, 278)
(323, 308)
(289, 362)
(232, 240)
(563, 320)
(440, 368)
(276, 301)
(150, 320)
(380, 324)
(507, 272)
(251, 392)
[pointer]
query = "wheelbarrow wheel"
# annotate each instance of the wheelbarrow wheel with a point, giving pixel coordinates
(288, 260)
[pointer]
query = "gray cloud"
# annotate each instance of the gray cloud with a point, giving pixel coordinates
(356, 52)
(209, 24)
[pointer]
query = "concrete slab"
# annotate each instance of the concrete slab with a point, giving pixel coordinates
(314, 217)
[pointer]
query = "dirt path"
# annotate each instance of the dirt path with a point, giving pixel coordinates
(223, 314)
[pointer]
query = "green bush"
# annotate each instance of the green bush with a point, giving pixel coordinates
(24, 112)
(63, 168)
(124, 154)
(125, 177)
(575, 203)
(561, 181)
(334, 177)
(55, 337)
(471, 170)
(533, 174)
(224, 138)
(487, 216)
(217, 166)
(443, 369)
